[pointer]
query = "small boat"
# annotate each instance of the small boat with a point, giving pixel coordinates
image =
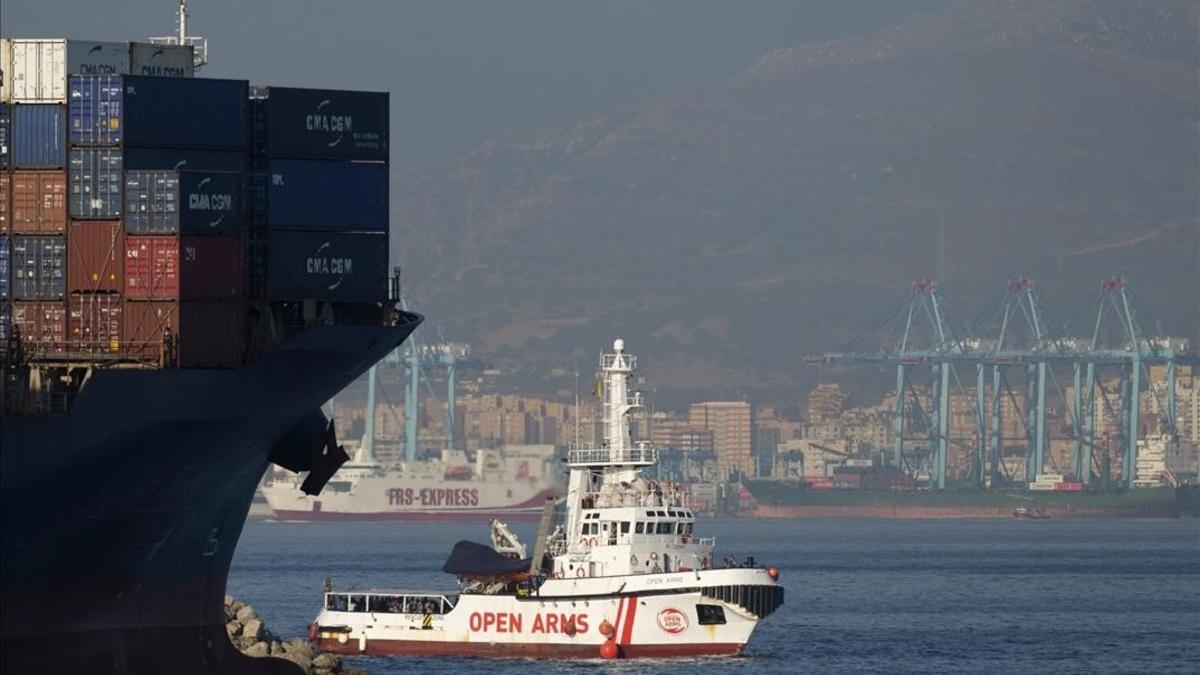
(624, 574)
(1029, 513)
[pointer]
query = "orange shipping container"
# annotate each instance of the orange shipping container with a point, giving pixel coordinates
(94, 322)
(95, 256)
(190, 334)
(39, 201)
(159, 267)
(5, 201)
(42, 326)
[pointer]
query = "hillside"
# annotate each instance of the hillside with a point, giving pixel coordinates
(729, 230)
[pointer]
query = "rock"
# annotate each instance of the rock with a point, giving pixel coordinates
(232, 628)
(252, 630)
(245, 613)
(299, 646)
(299, 659)
(237, 605)
(228, 600)
(276, 648)
(326, 661)
(258, 649)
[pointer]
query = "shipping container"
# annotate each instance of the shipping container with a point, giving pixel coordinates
(94, 109)
(38, 267)
(95, 256)
(96, 183)
(5, 267)
(328, 266)
(146, 58)
(36, 70)
(94, 322)
(320, 123)
(300, 194)
(191, 334)
(41, 326)
(5, 202)
(210, 203)
(38, 202)
(5, 134)
(185, 113)
(152, 202)
(1069, 486)
(183, 159)
(5, 328)
(39, 136)
(189, 203)
(170, 267)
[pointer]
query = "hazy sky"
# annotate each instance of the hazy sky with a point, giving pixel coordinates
(464, 72)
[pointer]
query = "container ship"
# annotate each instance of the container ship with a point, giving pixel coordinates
(512, 483)
(189, 269)
(624, 574)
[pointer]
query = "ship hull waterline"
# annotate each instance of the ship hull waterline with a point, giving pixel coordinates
(162, 467)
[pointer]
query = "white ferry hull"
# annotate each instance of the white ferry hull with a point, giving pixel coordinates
(659, 617)
(383, 499)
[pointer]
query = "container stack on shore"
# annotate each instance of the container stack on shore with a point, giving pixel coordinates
(151, 218)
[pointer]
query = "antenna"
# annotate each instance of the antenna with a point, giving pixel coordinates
(199, 45)
(576, 403)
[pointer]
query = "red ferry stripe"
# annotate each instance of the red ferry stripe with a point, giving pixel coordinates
(617, 626)
(629, 616)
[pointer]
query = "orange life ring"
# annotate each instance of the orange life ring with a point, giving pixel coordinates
(654, 557)
(579, 572)
(593, 541)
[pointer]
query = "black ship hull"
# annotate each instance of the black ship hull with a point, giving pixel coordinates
(119, 520)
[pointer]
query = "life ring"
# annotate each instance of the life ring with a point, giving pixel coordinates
(583, 541)
(579, 573)
(704, 563)
(654, 557)
(593, 541)
(633, 560)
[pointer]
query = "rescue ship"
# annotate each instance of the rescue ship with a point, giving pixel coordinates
(624, 575)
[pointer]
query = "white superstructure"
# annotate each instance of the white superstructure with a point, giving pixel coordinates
(625, 574)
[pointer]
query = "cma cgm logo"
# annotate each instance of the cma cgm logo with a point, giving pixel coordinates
(150, 67)
(321, 120)
(325, 265)
(86, 68)
(201, 200)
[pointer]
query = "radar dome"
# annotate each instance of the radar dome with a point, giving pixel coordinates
(618, 345)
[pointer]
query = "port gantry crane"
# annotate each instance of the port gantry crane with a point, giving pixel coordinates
(1022, 340)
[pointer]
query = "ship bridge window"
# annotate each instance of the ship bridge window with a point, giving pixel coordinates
(336, 602)
(638, 527)
(664, 528)
(338, 486)
(358, 603)
(625, 527)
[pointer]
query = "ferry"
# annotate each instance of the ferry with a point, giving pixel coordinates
(624, 575)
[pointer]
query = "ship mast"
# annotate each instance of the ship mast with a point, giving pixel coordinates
(199, 45)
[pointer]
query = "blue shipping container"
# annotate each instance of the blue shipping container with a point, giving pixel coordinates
(4, 267)
(320, 123)
(5, 326)
(183, 159)
(346, 266)
(39, 136)
(39, 267)
(181, 112)
(152, 202)
(95, 184)
(301, 194)
(5, 134)
(210, 203)
(94, 109)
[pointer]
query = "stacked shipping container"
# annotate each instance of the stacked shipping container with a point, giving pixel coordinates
(126, 209)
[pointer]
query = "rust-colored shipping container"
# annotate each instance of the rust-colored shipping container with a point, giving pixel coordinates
(42, 326)
(95, 256)
(94, 322)
(5, 201)
(189, 333)
(160, 267)
(39, 202)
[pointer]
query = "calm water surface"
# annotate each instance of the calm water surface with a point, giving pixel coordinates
(876, 596)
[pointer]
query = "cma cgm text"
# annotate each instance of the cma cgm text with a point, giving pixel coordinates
(330, 265)
(329, 122)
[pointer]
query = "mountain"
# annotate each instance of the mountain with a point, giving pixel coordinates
(728, 230)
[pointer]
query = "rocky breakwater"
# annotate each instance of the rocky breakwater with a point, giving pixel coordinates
(251, 636)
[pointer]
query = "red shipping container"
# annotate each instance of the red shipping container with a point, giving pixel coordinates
(39, 202)
(190, 334)
(159, 267)
(95, 256)
(5, 201)
(1068, 487)
(94, 322)
(41, 325)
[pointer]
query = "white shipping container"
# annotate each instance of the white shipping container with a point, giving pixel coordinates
(35, 71)
(161, 60)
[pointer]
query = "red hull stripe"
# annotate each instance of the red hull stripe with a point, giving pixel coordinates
(524, 650)
(620, 613)
(630, 613)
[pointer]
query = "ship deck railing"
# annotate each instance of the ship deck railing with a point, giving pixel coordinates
(638, 455)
